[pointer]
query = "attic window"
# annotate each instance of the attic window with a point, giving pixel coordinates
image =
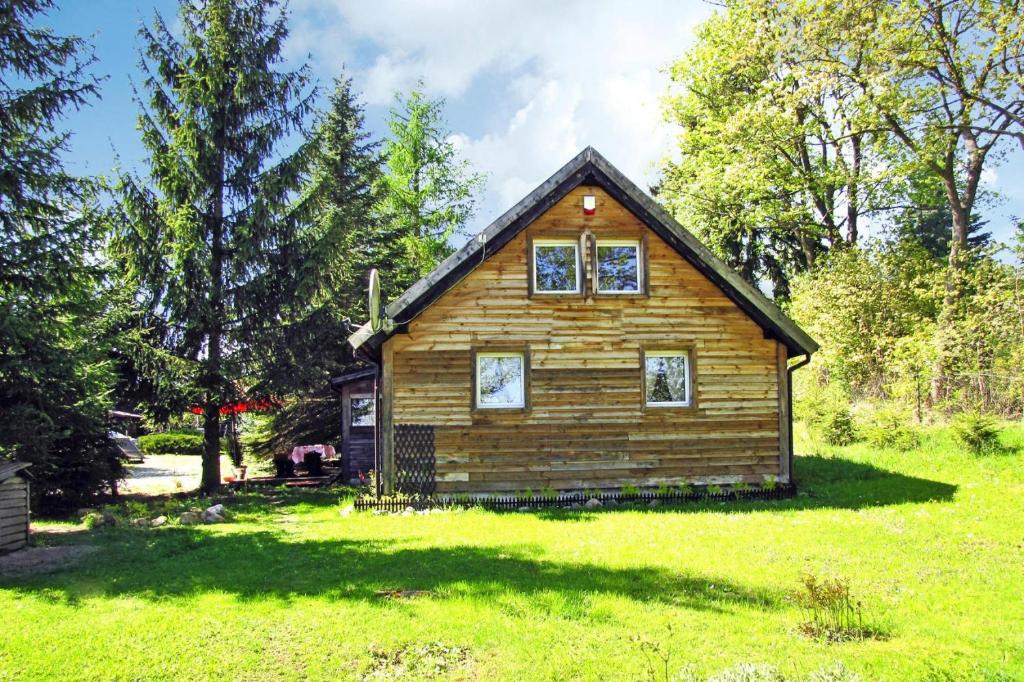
(618, 266)
(667, 378)
(556, 267)
(589, 204)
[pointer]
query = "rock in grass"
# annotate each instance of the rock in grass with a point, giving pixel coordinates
(140, 523)
(158, 521)
(593, 503)
(189, 519)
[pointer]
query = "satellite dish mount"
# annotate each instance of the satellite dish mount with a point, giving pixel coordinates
(378, 319)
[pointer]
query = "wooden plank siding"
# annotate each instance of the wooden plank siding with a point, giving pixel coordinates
(14, 517)
(586, 424)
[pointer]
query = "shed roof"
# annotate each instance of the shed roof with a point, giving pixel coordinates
(351, 376)
(9, 469)
(587, 168)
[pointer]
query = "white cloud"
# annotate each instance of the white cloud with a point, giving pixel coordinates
(569, 73)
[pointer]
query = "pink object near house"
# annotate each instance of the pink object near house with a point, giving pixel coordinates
(299, 452)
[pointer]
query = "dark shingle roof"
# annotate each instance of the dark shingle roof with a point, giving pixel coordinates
(9, 469)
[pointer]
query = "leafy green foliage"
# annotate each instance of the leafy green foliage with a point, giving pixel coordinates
(171, 444)
(429, 193)
(891, 428)
(977, 432)
(55, 305)
(837, 427)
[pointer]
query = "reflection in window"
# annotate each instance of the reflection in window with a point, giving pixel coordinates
(499, 380)
(362, 411)
(555, 267)
(618, 267)
(667, 378)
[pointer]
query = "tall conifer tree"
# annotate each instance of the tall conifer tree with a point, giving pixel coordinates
(212, 241)
(54, 377)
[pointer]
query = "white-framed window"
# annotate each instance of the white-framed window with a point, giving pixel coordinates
(556, 266)
(618, 266)
(500, 380)
(667, 378)
(363, 412)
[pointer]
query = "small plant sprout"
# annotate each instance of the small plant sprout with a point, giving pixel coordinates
(740, 488)
(548, 493)
(629, 491)
(832, 612)
(663, 490)
(769, 484)
(528, 494)
(714, 489)
(685, 489)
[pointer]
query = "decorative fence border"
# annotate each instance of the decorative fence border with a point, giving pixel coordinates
(573, 501)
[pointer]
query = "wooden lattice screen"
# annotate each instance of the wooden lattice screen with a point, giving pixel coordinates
(414, 459)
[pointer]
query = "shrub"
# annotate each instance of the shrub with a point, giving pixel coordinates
(837, 427)
(629, 490)
(172, 444)
(833, 614)
(714, 489)
(685, 489)
(977, 432)
(769, 484)
(663, 490)
(891, 429)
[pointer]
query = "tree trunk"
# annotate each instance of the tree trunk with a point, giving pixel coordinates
(852, 192)
(961, 212)
(215, 326)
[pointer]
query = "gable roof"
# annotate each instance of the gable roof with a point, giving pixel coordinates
(587, 168)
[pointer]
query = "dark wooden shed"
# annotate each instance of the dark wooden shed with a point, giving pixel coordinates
(13, 506)
(358, 422)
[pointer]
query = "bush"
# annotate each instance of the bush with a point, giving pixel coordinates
(977, 432)
(172, 444)
(891, 429)
(837, 427)
(833, 614)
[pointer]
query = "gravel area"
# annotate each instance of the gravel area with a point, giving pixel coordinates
(34, 560)
(163, 474)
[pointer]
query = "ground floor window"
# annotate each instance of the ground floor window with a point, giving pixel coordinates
(500, 380)
(667, 378)
(362, 410)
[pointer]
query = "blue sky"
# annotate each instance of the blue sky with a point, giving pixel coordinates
(527, 83)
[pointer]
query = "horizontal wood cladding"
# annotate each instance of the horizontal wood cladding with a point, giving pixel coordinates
(586, 425)
(14, 515)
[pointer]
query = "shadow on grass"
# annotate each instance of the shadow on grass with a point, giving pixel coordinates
(182, 562)
(822, 483)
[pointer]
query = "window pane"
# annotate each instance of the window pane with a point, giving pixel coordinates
(617, 268)
(500, 380)
(555, 267)
(362, 412)
(666, 379)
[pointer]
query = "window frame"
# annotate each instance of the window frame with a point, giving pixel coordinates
(691, 381)
(373, 410)
(572, 241)
(641, 274)
(524, 355)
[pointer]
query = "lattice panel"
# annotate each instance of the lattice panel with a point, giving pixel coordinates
(414, 459)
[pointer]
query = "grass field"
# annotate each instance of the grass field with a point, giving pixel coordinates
(932, 542)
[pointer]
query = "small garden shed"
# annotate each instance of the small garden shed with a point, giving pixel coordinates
(583, 340)
(13, 506)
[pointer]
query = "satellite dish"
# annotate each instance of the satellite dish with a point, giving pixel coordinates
(374, 291)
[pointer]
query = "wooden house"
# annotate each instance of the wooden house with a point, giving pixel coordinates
(583, 340)
(14, 516)
(357, 390)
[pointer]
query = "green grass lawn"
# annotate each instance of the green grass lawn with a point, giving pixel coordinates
(932, 542)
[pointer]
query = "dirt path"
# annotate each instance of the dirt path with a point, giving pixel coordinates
(163, 474)
(32, 560)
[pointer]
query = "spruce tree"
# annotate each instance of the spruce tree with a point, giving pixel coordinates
(54, 337)
(212, 241)
(429, 192)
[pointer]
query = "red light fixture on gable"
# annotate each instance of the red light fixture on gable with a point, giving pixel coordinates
(589, 204)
